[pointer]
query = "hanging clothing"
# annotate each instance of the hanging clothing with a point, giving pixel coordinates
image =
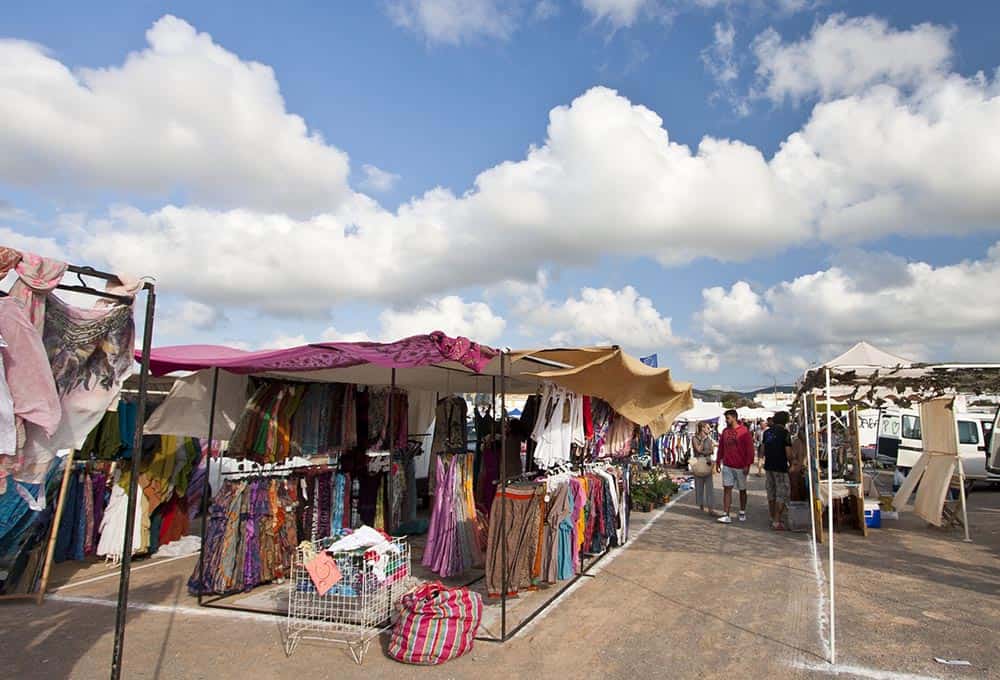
(525, 426)
(113, 525)
(453, 537)
(516, 526)
(251, 536)
(37, 276)
(450, 436)
(91, 354)
(26, 369)
(559, 428)
(449, 431)
(8, 426)
(8, 260)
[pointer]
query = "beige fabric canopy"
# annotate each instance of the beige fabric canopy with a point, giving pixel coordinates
(644, 395)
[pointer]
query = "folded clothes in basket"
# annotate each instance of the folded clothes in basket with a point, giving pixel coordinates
(363, 537)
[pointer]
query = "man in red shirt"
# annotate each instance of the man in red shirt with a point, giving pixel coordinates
(734, 460)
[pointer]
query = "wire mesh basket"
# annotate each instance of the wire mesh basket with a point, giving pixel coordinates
(358, 608)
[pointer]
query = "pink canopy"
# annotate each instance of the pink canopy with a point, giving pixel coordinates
(419, 350)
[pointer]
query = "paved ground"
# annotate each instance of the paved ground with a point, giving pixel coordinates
(689, 598)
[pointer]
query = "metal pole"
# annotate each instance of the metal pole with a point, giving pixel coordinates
(829, 498)
(391, 485)
(503, 498)
(206, 488)
(140, 423)
(961, 486)
(493, 421)
(812, 500)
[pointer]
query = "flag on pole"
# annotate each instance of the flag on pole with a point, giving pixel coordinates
(650, 361)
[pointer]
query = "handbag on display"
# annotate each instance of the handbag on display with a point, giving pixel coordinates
(436, 624)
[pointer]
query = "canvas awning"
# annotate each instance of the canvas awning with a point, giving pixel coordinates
(433, 363)
(644, 395)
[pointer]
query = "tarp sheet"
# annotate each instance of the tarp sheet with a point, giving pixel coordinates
(644, 395)
(184, 412)
(934, 469)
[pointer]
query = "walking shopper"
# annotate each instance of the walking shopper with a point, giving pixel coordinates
(777, 448)
(760, 447)
(734, 461)
(703, 446)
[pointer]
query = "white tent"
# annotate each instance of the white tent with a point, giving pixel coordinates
(866, 354)
(703, 410)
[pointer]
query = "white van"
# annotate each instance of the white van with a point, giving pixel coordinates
(900, 441)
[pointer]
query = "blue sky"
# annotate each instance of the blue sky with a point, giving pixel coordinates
(188, 163)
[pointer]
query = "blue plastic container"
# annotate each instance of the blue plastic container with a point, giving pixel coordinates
(873, 515)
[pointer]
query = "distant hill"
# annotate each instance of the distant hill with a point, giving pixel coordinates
(717, 395)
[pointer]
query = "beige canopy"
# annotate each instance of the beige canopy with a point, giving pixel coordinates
(644, 395)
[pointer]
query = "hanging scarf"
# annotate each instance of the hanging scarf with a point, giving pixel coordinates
(37, 277)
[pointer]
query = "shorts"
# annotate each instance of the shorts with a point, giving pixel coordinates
(778, 486)
(734, 477)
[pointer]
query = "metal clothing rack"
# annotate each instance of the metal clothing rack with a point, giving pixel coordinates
(126, 564)
(278, 470)
(215, 602)
(584, 572)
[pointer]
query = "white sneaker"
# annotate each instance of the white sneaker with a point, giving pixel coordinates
(743, 516)
(725, 519)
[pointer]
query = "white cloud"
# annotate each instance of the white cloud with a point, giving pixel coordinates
(450, 314)
(702, 359)
(721, 62)
(283, 341)
(545, 9)
(622, 13)
(718, 59)
(601, 316)
(861, 168)
(606, 161)
(378, 180)
(930, 312)
(188, 317)
(887, 161)
(843, 56)
(45, 246)
(331, 334)
(12, 213)
(454, 22)
(183, 115)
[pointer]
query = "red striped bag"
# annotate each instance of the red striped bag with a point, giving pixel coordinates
(436, 624)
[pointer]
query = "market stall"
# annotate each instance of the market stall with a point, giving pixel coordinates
(620, 394)
(934, 387)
